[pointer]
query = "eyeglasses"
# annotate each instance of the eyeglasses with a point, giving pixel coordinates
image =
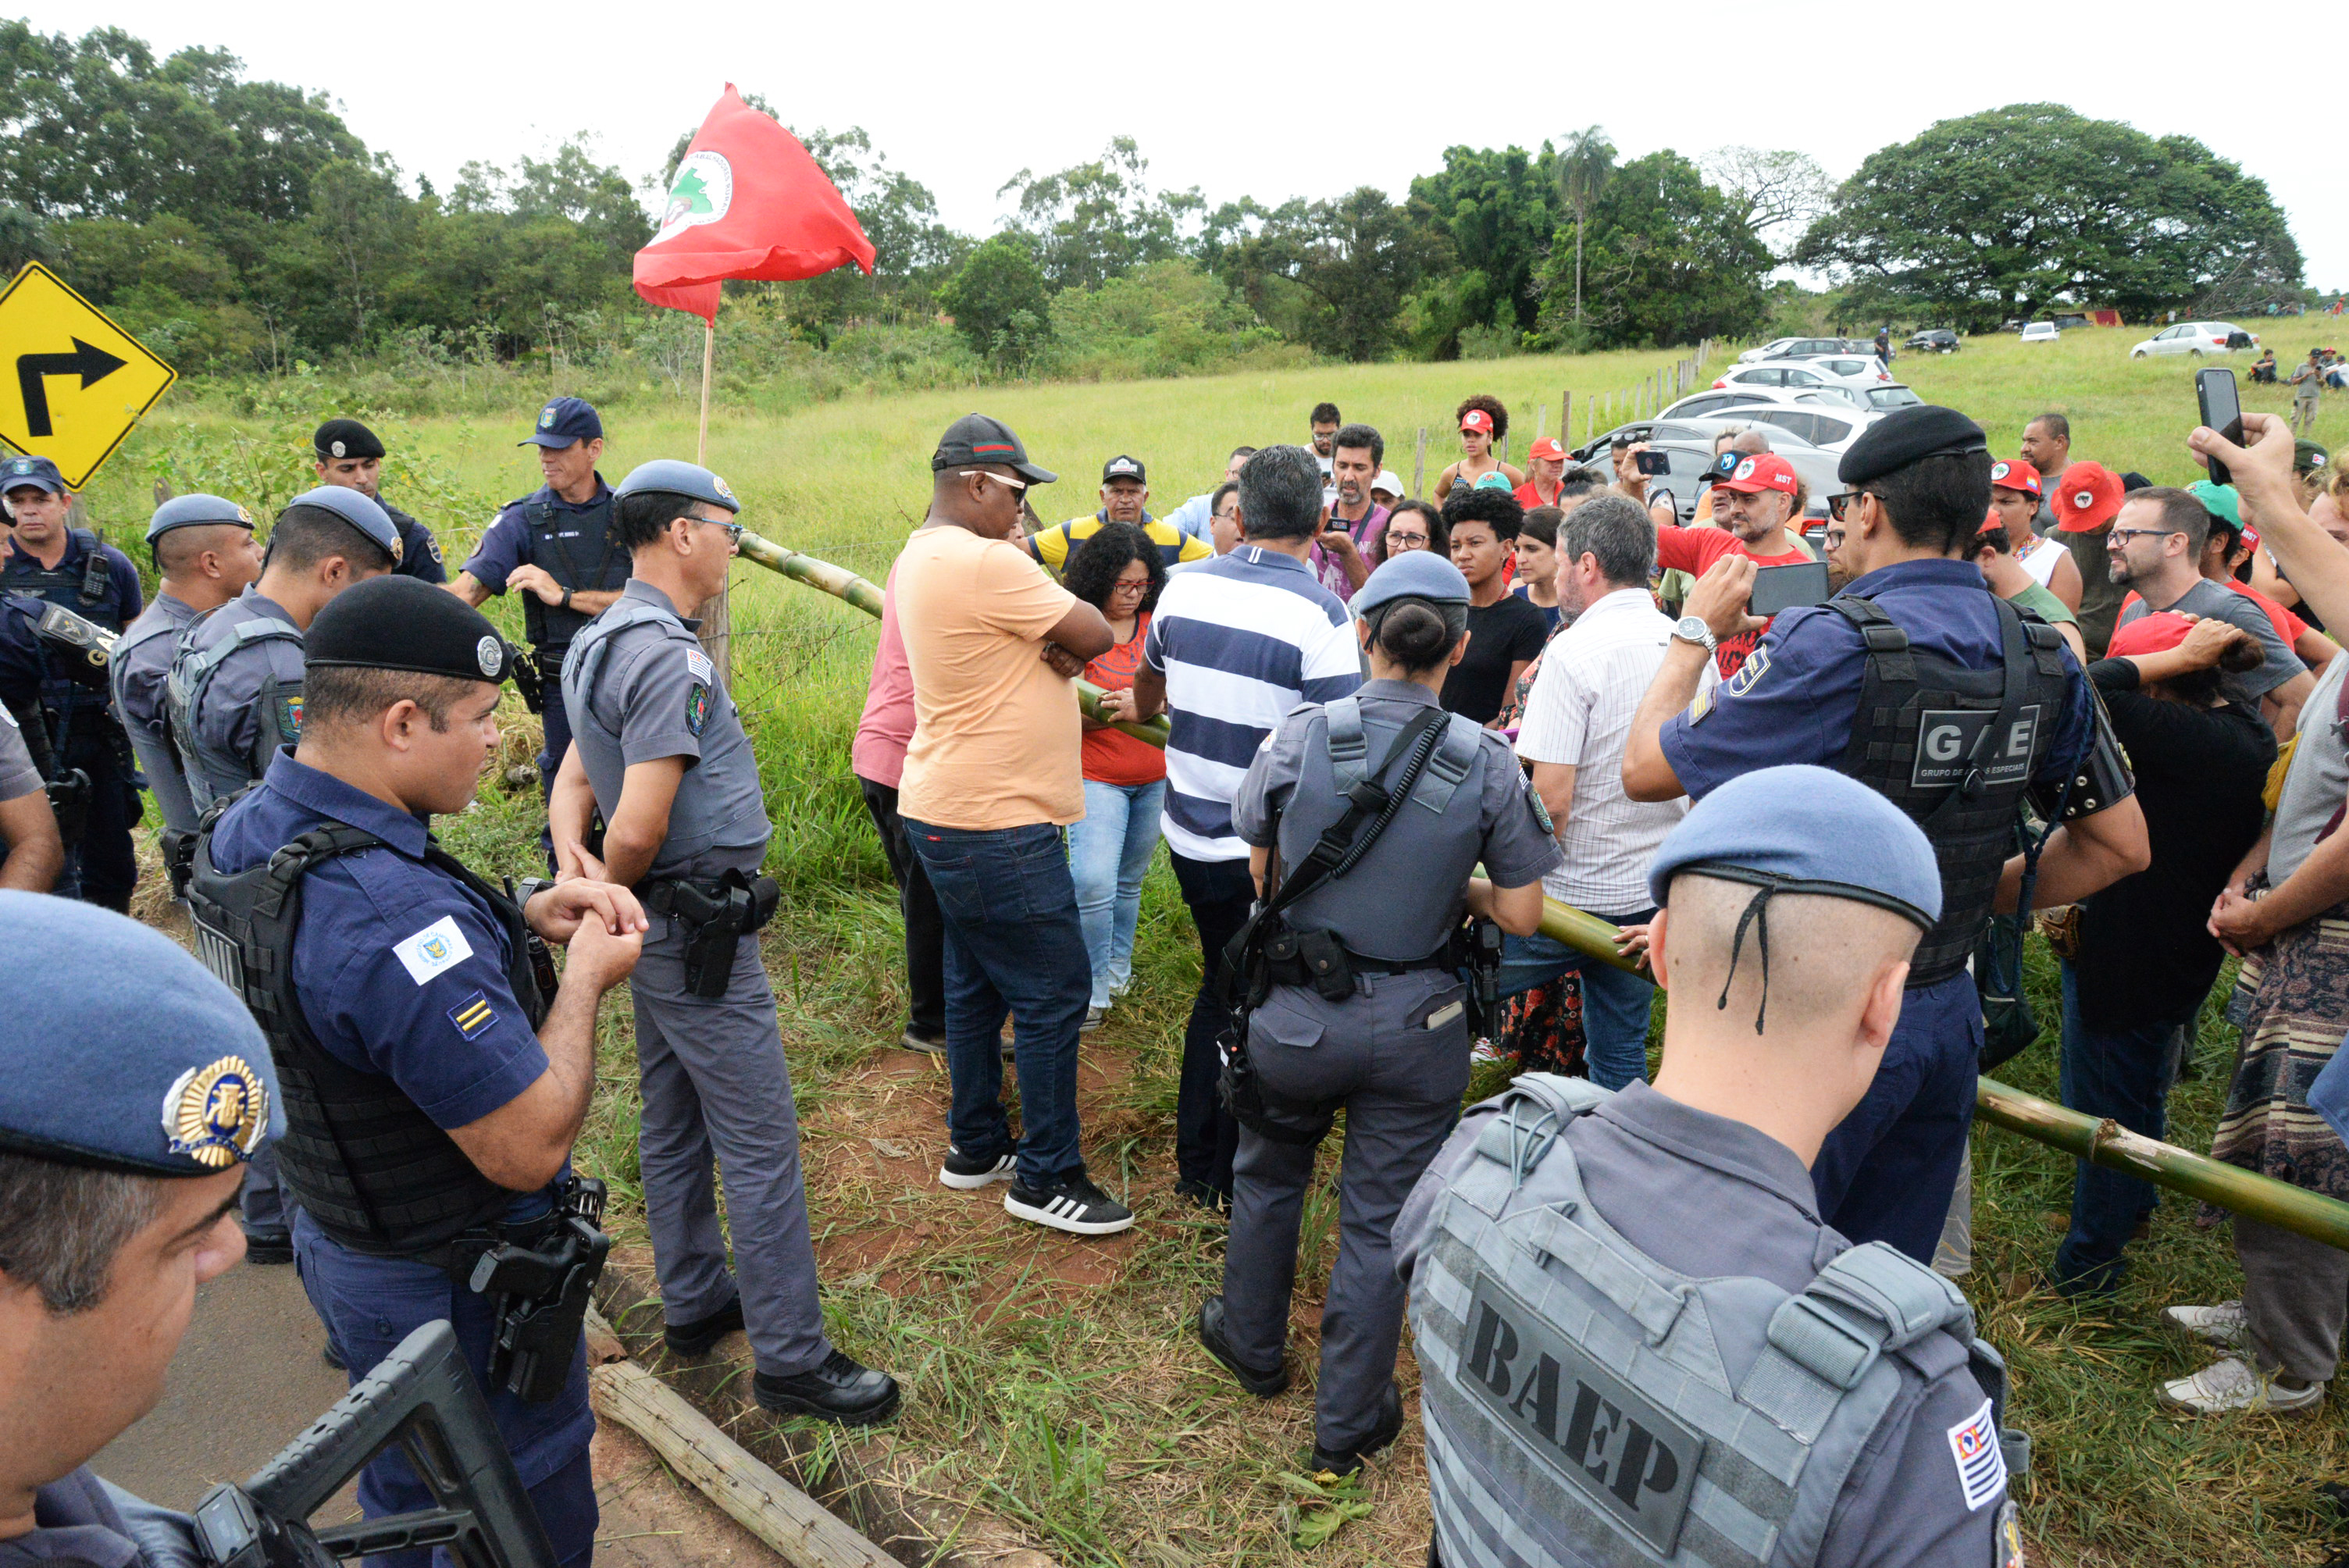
(1408, 540)
(1014, 486)
(1833, 538)
(2121, 536)
(1122, 586)
(1841, 506)
(733, 529)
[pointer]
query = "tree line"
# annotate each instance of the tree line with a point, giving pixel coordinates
(239, 226)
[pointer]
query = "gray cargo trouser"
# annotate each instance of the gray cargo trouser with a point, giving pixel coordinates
(2296, 1300)
(1401, 1083)
(715, 1086)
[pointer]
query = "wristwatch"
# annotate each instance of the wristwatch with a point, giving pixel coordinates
(1693, 629)
(566, 598)
(529, 887)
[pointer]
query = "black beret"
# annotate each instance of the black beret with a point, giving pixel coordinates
(394, 623)
(1902, 436)
(345, 438)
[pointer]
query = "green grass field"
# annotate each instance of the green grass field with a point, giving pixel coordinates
(1054, 1384)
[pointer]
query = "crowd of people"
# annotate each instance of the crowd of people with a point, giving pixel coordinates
(1395, 732)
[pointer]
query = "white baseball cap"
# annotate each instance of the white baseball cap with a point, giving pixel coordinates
(1387, 483)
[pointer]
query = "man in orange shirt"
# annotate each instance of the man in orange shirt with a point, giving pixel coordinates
(991, 779)
(1752, 509)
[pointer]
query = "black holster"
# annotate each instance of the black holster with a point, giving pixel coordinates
(716, 916)
(540, 1293)
(539, 676)
(1240, 1089)
(70, 794)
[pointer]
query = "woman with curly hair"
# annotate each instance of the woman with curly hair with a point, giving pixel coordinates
(1118, 572)
(1484, 424)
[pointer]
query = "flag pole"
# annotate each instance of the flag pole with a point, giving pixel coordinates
(709, 354)
(716, 623)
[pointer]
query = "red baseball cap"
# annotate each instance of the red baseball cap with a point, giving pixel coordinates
(1764, 470)
(2151, 635)
(1476, 420)
(2250, 536)
(2015, 476)
(2087, 497)
(1544, 448)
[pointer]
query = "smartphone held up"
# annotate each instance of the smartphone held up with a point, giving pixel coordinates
(2221, 410)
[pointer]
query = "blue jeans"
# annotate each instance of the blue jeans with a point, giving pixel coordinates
(1614, 1004)
(2125, 1073)
(1014, 943)
(1888, 1170)
(1109, 854)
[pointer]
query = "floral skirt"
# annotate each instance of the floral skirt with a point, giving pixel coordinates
(2293, 1002)
(1542, 1028)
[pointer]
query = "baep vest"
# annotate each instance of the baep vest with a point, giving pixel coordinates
(568, 562)
(1385, 907)
(206, 643)
(1586, 1405)
(358, 1156)
(1955, 748)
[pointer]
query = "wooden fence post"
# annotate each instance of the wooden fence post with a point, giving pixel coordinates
(1419, 465)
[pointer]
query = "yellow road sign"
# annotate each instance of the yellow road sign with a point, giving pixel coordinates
(72, 383)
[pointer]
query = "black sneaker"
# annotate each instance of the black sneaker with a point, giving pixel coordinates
(969, 1173)
(924, 1041)
(841, 1390)
(699, 1336)
(1073, 1205)
(1343, 1462)
(266, 1247)
(1263, 1385)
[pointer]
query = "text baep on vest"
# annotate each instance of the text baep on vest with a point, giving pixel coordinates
(1955, 748)
(370, 1166)
(587, 563)
(1585, 1405)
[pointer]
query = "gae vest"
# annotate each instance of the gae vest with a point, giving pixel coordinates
(206, 643)
(1955, 748)
(366, 1164)
(1403, 901)
(1585, 1405)
(589, 562)
(718, 802)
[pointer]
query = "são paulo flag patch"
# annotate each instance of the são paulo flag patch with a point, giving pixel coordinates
(1982, 1467)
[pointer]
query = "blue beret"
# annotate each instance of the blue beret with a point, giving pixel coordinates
(564, 422)
(669, 475)
(38, 472)
(356, 509)
(196, 510)
(1905, 436)
(128, 1054)
(1413, 575)
(1806, 824)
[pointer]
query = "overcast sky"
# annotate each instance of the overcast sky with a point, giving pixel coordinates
(1258, 99)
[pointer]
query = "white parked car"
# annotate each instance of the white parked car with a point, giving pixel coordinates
(2193, 338)
(1702, 405)
(1820, 419)
(1752, 356)
(2040, 332)
(1792, 374)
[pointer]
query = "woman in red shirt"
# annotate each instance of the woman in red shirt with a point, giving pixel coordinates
(1119, 573)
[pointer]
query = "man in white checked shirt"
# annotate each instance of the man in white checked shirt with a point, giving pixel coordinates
(1576, 722)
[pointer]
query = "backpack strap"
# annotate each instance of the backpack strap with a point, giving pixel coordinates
(1448, 768)
(1350, 748)
(1821, 1343)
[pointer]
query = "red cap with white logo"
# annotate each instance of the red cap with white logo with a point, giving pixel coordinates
(2015, 476)
(1763, 471)
(1476, 420)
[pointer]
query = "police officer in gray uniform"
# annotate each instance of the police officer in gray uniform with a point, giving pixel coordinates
(1379, 805)
(235, 695)
(118, 1165)
(1638, 1342)
(206, 554)
(659, 750)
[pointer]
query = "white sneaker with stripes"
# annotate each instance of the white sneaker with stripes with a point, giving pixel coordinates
(1074, 1205)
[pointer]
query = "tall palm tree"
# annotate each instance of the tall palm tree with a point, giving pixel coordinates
(1584, 162)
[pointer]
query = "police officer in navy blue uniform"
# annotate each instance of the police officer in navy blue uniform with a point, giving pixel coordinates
(33, 850)
(74, 569)
(658, 749)
(350, 455)
(206, 554)
(555, 546)
(1921, 682)
(412, 1014)
(119, 1161)
(1362, 1006)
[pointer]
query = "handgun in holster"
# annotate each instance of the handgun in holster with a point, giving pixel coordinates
(70, 794)
(1480, 943)
(533, 678)
(717, 916)
(421, 1399)
(541, 1294)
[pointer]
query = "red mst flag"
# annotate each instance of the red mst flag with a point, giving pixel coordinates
(746, 202)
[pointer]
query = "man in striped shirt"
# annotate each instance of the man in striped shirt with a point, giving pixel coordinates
(1234, 644)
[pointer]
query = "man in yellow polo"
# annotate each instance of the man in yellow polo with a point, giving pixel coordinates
(1125, 494)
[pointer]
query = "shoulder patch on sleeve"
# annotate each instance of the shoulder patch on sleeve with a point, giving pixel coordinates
(697, 709)
(473, 1015)
(699, 663)
(289, 718)
(1749, 673)
(1541, 813)
(438, 946)
(1982, 1467)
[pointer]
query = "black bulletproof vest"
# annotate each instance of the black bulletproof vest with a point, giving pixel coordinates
(86, 589)
(1955, 748)
(590, 562)
(371, 1168)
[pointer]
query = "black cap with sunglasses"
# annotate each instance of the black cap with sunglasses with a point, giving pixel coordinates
(975, 439)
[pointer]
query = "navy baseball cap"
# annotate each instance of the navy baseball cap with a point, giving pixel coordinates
(167, 1075)
(976, 439)
(1124, 467)
(360, 511)
(563, 422)
(671, 476)
(195, 512)
(38, 472)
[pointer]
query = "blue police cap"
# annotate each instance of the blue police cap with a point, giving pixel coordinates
(1805, 829)
(564, 421)
(670, 476)
(1413, 575)
(127, 1054)
(38, 472)
(357, 508)
(195, 512)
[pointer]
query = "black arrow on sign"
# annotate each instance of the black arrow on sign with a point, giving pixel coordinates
(88, 361)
